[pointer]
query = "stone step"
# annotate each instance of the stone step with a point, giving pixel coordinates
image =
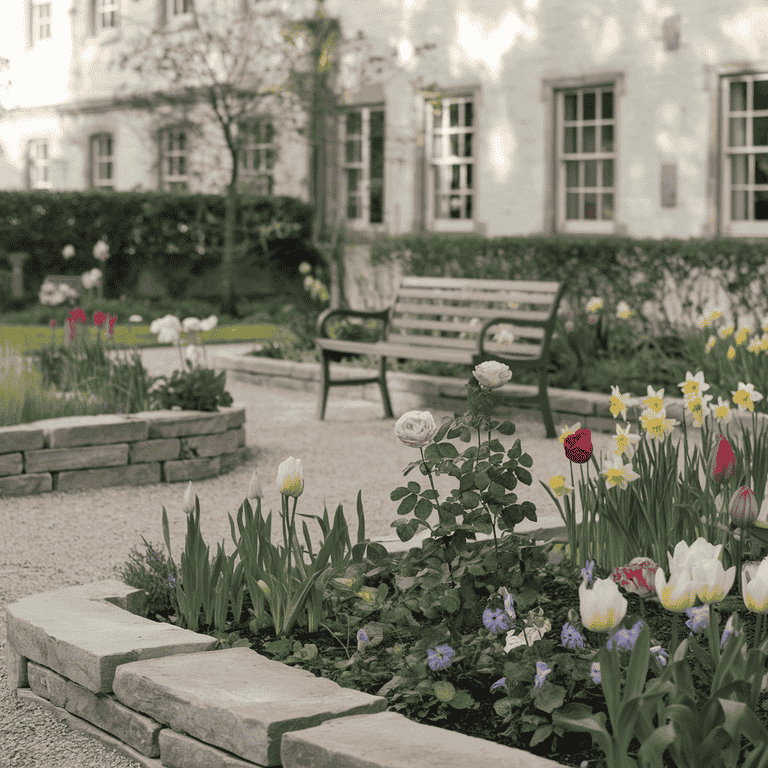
(83, 653)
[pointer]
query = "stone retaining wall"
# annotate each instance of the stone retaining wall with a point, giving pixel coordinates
(85, 452)
(162, 696)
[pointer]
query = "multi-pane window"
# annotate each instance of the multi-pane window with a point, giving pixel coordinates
(451, 132)
(39, 164)
(745, 146)
(42, 21)
(179, 7)
(363, 165)
(258, 155)
(106, 13)
(174, 161)
(102, 161)
(586, 156)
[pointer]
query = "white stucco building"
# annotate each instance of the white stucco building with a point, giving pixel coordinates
(501, 117)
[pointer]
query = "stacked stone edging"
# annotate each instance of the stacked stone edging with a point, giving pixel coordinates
(411, 391)
(85, 452)
(162, 696)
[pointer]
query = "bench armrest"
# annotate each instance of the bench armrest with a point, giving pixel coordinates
(328, 314)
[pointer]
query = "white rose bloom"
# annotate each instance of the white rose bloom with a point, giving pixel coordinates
(492, 374)
(416, 428)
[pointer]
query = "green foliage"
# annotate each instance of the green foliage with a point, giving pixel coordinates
(198, 389)
(149, 571)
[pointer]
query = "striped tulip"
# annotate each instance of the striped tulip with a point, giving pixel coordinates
(743, 507)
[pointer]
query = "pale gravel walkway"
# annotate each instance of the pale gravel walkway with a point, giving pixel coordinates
(55, 540)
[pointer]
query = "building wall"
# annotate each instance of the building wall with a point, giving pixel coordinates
(510, 57)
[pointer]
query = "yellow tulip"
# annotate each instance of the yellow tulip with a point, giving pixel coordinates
(603, 607)
(679, 593)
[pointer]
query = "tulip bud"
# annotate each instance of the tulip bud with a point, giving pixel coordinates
(254, 489)
(603, 607)
(188, 505)
(743, 507)
(290, 481)
(723, 463)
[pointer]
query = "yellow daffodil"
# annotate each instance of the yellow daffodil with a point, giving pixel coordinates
(594, 304)
(742, 334)
(693, 385)
(698, 408)
(655, 400)
(725, 332)
(722, 411)
(619, 474)
(731, 352)
(710, 315)
(624, 441)
(710, 343)
(745, 397)
(557, 484)
(657, 424)
(603, 607)
(623, 310)
(620, 403)
(677, 594)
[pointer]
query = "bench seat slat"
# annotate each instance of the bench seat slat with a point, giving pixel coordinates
(401, 324)
(504, 297)
(412, 281)
(439, 353)
(525, 316)
(530, 350)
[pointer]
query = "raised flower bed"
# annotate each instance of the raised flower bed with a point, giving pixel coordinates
(84, 452)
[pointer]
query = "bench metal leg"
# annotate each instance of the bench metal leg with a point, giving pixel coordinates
(383, 386)
(325, 385)
(546, 411)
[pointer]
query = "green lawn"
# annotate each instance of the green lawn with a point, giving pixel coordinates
(29, 339)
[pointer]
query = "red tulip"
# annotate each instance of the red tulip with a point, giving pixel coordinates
(723, 464)
(743, 508)
(578, 446)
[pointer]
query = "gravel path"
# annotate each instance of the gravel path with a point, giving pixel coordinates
(55, 540)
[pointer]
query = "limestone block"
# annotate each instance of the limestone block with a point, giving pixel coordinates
(236, 699)
(191, 469)
(104, 429)
(25, 485)
(154, 450)
(21, 437)
(211, 445)
(167, 424)
(88, 479)
(180, 751)
(47, 683)
(106, 712)
(11, 464)
(16, 669)
(54, 460)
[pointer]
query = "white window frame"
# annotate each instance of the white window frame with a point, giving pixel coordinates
(39, 160)
(582, 225)
(98, 159)
(364, 166)
(264, 175)
(102, 8)
(179, 8)
(174, 153)
(446, 160)
(740, 227)
(41, 22)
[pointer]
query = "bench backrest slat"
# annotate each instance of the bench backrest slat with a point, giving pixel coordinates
(435, 311)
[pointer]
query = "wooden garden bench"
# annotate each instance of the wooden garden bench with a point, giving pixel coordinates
(431, 319)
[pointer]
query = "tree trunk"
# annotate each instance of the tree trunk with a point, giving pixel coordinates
(227, 294)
